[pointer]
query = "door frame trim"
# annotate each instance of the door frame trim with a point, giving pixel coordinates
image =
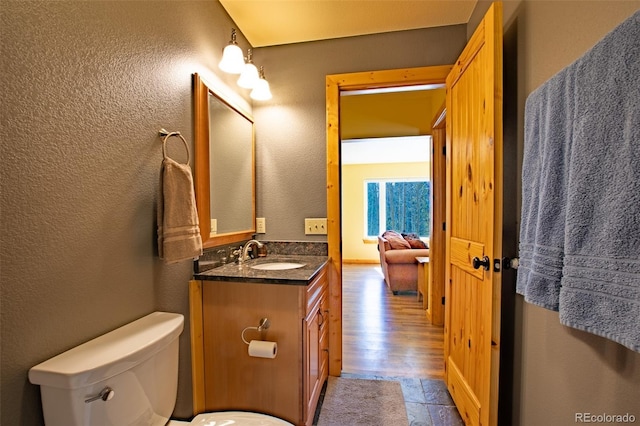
(335, 84)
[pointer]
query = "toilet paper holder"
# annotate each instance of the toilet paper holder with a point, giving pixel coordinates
(262, 325)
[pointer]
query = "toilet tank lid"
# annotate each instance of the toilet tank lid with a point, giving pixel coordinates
(110, 354)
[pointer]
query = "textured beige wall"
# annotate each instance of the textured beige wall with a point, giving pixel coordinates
(290, 129)
(87, 85)
(353, 177)
(85, 88)
(564, 371)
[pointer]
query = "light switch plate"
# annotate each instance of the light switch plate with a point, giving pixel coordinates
(261, 225)
(315, 226)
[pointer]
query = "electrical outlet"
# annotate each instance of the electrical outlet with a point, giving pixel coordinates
(261, 225)
(315, 226)
(214, 226)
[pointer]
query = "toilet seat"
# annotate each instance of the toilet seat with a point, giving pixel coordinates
(228, 418)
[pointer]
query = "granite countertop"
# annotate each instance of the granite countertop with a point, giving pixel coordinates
(245, 273)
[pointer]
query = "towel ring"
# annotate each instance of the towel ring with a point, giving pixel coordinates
(167, 135)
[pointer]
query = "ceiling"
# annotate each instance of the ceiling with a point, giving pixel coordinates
(404, 149)
(391, 114)
(275, 22)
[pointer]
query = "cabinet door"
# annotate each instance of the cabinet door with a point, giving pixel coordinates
(312, 363)
(233, 380)
(324, 339)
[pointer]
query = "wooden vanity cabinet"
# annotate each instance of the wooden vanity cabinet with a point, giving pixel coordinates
(316, 348)
(226, 378)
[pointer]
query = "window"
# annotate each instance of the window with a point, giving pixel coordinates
(399, 205)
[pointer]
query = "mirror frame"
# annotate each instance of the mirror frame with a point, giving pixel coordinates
(202, 171)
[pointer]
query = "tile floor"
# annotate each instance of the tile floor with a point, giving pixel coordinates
(427, 401)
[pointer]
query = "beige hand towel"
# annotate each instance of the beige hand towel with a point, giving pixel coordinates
(178, 230)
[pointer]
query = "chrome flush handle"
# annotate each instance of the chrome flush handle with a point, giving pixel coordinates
(105, 394)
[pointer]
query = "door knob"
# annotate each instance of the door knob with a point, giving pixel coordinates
(485, 263)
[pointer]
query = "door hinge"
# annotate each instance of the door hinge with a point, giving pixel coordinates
(444, 226)
(444, 151)
(443, 300)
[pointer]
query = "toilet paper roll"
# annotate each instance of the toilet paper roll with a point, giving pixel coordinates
(263, 349)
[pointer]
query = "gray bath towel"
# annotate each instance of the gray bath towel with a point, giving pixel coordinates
(545, 176)
(601, 277)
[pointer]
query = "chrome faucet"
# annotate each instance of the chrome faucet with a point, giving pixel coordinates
(244, 255)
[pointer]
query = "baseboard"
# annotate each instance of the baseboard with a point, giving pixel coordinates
(360, 262)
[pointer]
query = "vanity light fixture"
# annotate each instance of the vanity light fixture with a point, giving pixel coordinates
(232, 60)
(249, 76)
(261, 91)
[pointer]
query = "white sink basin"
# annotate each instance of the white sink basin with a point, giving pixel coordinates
(277, 266)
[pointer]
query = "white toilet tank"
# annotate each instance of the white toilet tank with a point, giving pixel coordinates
(128, 376)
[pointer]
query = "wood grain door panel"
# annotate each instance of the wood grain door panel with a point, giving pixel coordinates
(462, 254)
(474, 153)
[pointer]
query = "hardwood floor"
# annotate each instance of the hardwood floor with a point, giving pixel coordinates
(383, 334)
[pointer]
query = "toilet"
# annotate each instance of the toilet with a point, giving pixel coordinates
(128, 376)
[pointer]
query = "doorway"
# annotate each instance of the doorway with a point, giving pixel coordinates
(385, 160)
(335, 85)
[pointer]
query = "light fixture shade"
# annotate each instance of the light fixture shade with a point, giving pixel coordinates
(232, 60)
(261, 91)
(249, 76)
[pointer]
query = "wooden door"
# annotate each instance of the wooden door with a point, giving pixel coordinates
(474, 188)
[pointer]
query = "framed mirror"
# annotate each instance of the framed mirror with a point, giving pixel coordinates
(224, 168)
